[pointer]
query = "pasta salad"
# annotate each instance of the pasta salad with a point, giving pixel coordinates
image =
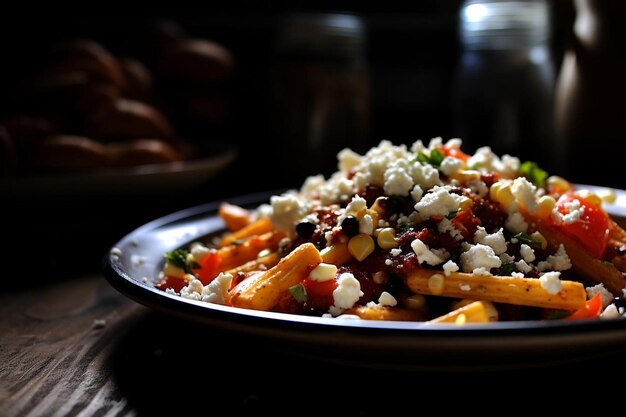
(423, 233)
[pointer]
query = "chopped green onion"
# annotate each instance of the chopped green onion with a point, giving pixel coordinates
(452, 214)
(533, 173)
(298, 292)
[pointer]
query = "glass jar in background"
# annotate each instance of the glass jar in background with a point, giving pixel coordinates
(590, 112)
(505, 79)
(320, 92)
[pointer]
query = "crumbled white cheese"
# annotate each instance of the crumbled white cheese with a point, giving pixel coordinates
(551, 282)
(395, 252)
(495, 241)
(439, 202)
(193, 290)
(287, 210)
(446, 226)
(449, 166)
(356, 205)
(216, 291)
(199, 251)
(524, 192)
(366, 225)
(450, 267)
(464, 287)
(515, 223)
(397, 181)
(574, 212)
(478, 187)
(606, 295)
(517, 275)
(348, 159)
(347, 293)
(506, 258)
(425, 254)
(417, 193)
(479, 256)
(310, 187)
(528, 254)
(560, 261)
(522, 266)
(387, 299)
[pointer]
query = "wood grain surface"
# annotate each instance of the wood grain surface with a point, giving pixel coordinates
(79, 348)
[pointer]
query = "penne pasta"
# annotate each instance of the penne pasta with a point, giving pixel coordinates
(398, 232)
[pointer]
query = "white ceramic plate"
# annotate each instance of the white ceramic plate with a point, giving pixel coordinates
(390, 345)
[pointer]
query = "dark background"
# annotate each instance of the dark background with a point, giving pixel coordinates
(412, 58)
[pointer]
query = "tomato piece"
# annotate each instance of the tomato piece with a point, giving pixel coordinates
(174, 283)
(591, 229)
(466, 223)
(209, 267)
(591, 310)
(320, 293)
(454, 153)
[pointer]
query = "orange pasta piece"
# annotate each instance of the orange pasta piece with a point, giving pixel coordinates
(257, 227)
(235, 255)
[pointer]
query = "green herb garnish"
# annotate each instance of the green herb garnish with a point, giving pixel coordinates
(178, 258)
(452, 214)
(405, 228)
(527, 239)
(298, 292)
(507, 269)
(533, 173)
(435, 158)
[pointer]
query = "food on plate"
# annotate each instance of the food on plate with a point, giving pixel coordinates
(423, 233)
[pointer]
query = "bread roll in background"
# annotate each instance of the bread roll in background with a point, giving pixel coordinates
(142, 152)
(128, 119)
(63, 153)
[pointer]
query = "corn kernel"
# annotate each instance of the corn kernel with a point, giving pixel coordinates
(360, 246)
(336, 254)
(545, 205)
(374, 215)
(387, 238)
(505, 196)
(436, 284)
(493, 191)
(377, 206)
(538, 237)
(466, 175)
(558, 184)
(171, 270)
(466, 204)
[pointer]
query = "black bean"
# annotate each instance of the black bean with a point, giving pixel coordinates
(350, 226)
(305, 229)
